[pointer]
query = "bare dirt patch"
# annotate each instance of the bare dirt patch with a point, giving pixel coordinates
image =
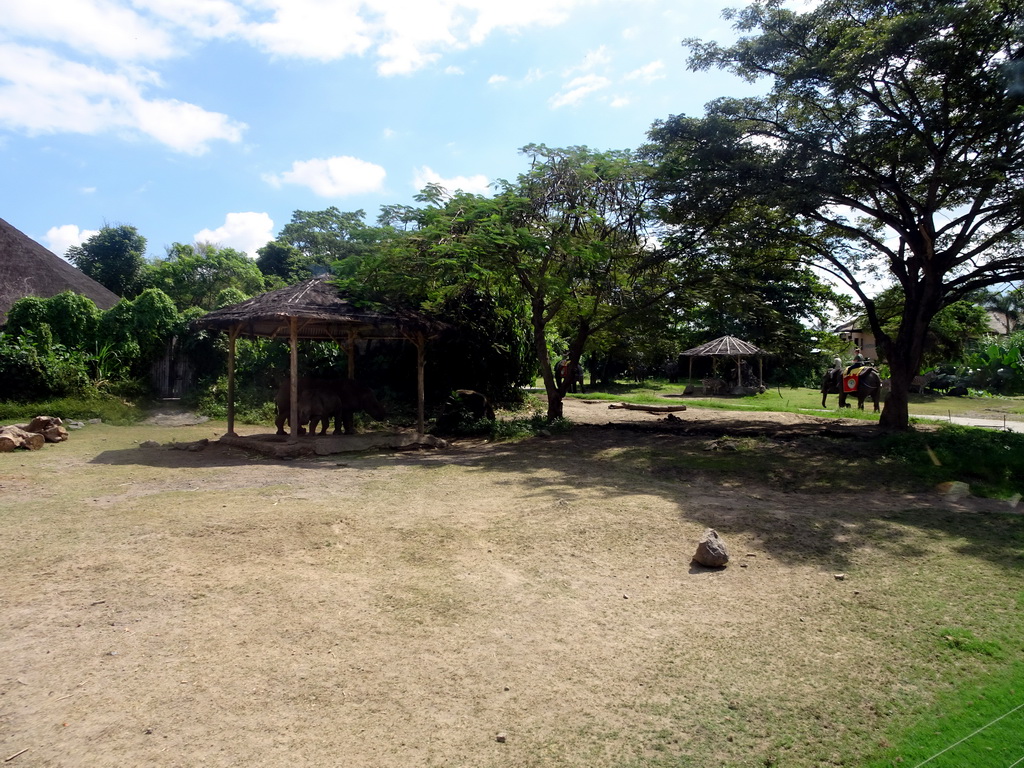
(179, 608)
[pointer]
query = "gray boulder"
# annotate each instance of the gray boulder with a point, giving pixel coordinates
(711, 550)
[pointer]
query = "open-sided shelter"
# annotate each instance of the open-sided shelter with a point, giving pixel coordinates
(313, 309)
(728, 346)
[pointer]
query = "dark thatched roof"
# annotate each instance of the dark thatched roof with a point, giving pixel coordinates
(321, 314)
(725, 346)
(28, 269)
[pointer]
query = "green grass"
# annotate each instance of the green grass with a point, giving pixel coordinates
(980, 725)
(990, 462)
(804, 400)
(110, 409)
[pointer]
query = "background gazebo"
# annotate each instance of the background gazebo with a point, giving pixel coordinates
(314, 310)
(728, 347)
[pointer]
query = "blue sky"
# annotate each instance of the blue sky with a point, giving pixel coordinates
(213, 120)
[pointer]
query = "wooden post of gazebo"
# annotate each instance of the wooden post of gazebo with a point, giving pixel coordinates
(232, 336)
(293, 328)
(350, 353)
(421, 360)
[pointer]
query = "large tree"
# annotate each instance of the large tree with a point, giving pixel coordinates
(195, 275)
(890, 142)
(115, 257)
(324, 237)
(571, 236)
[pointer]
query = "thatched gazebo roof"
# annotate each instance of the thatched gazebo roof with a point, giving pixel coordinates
(320, 313)
(726, 346)
(29, 269)
(314, 310)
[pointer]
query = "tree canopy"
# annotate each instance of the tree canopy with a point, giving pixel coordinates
(195, 275)
(890, 144)
(570, 237)
(115, 257)
(320, 238)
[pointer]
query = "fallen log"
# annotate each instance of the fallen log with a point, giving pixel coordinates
(15, 437)
(649, 408)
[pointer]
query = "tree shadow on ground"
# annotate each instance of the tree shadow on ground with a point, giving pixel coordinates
(786, 495)
(802, 495)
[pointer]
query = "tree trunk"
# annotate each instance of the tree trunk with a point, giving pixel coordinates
(547, 374)
(896, 411)
(904, 354)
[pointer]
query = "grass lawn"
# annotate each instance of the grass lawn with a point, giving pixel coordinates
(806, 400)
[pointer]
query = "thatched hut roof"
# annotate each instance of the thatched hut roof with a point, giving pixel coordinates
(321, 314)
(29, 269)
(725, 346)
(313, 309)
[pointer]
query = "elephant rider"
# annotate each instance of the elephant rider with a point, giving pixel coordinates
(859, 361)
(561, 371)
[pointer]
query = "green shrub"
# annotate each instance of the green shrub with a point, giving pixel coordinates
(991, 462)
(110, 409)
(537, 424)
(33, 367)
(253, 402)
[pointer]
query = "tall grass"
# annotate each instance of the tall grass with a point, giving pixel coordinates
(990, 462)
(110, 409)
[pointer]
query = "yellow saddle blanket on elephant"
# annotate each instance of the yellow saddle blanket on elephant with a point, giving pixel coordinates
(852, 377)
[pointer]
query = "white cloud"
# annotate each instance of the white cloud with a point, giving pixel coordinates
(404, 35)
(89, 66)
(649, 73)
(593, 60)
(183, 127)
(246, 232)
(102, 27)
(493, 15)
(47, 94)
(332, 176)
(497, 79)
(203, 18)
(59, 239)
(578, 89)
(619, 102)
(453, 70)
(478, 184)
(311, 29)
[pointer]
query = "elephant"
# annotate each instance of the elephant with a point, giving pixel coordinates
(320, 400)
(574, 373)
(869, 384)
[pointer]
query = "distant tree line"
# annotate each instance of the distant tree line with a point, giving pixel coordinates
(889, 146)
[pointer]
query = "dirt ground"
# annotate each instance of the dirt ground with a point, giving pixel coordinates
(525, 604)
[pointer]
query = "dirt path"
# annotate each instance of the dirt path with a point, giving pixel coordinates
(489, 605)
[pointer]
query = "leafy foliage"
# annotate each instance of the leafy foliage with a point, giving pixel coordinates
(890, 142)
(63, 345)
(198, 275)
(34, 366)
(998, 365)
(951, 331)
(313, 240)
(991, 462)
(115, 257)
(71, 318)
(566, 239)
